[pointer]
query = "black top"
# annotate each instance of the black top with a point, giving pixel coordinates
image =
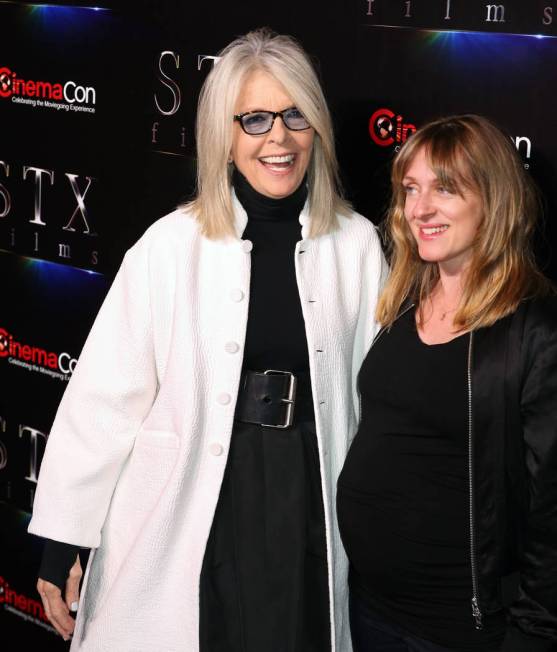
(264, 584)
(276, 337)
(403, 498)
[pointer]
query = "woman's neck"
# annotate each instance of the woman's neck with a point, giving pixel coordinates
(259, 207)
(436, 315)
(448, 291)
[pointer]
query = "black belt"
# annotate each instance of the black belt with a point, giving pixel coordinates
(274, 398)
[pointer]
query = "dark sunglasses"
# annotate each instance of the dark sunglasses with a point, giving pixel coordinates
(256, 123)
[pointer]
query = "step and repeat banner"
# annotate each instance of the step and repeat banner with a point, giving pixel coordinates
(97, 110)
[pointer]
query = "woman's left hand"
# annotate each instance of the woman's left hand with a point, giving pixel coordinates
(58, 609)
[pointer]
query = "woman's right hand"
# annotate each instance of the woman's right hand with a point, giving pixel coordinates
(56, 608)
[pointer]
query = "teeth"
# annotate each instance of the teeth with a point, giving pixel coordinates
(287, 158)
(434, 229)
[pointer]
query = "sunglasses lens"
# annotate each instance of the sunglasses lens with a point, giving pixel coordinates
(294, 120)
(257, 123)
(260, 122)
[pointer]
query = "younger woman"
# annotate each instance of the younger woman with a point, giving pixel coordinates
(447, 499)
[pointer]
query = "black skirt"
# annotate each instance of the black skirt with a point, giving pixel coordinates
(264, 584)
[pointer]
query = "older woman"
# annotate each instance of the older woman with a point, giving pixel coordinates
(447, 500)
(197, 447)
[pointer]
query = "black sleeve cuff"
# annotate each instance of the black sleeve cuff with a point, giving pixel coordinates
(57, 560)
(517, 641)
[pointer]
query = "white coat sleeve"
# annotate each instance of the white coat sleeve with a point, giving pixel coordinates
(110, 393)
(374, 276)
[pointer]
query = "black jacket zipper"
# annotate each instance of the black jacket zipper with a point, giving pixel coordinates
(476, 611)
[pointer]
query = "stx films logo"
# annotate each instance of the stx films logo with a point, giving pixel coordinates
(36, 235)
(21, 456)
(449, 15)
(166, 135)
(36, 359)
(387, 128)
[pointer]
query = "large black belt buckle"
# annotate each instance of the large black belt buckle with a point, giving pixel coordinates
(289, 400)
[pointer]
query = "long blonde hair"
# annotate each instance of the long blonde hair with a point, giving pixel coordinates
(468, 151)
(284, 59)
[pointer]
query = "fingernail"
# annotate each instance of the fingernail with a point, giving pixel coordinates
(74, 606)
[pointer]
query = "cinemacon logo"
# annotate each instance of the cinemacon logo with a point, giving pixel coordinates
(34, 356)
(21, 604)
(13, 86)
(386, 128)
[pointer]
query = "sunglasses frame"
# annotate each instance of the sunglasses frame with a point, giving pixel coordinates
(238, 117)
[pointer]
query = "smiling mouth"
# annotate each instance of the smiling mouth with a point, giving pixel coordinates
(434, 230)
(278, 163)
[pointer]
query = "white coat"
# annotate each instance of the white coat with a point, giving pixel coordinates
(136, 455)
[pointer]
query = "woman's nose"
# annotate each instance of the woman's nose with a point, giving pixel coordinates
(279, 131)
(423, 206)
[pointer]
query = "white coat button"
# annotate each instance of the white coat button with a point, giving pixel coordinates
(236, 295)
(247, 246)
(232, 347)
(224, 398)
(216, 449)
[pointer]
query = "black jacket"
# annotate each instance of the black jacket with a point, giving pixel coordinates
(513, 387)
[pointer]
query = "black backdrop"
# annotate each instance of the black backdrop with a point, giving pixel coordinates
(87, 165)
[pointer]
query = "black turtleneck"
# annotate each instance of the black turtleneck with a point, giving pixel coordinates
(275, 337)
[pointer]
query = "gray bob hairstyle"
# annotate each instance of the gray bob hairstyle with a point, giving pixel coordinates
(284, 59)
